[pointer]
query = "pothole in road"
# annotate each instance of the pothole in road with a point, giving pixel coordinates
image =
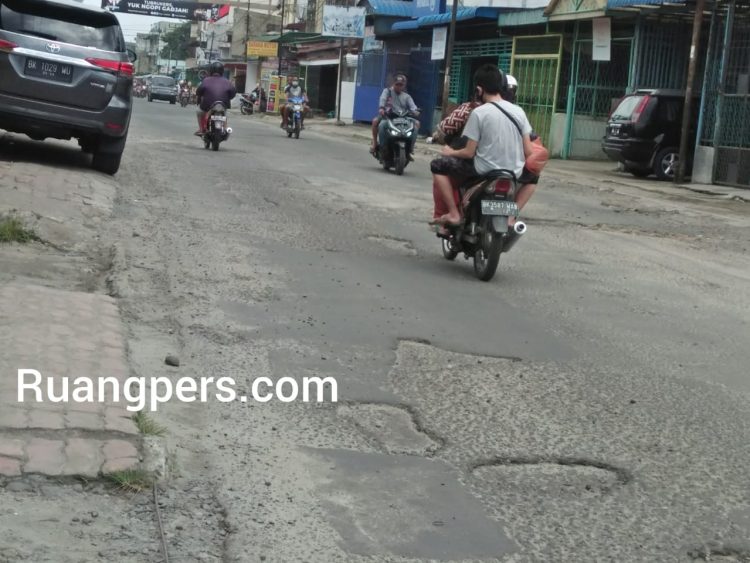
(737, 554)
(397, 244)
(552, 476)
(395, 428)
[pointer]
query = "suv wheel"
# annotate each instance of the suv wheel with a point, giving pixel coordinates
(173, 101)
(109, 163)
(666, 162)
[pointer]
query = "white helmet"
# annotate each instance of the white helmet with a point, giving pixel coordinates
(512, 82)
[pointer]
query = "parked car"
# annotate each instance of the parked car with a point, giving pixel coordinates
(65, 73)
(643, 133)
(163, 88)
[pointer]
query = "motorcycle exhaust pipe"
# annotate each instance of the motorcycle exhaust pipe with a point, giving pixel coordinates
(519, 228)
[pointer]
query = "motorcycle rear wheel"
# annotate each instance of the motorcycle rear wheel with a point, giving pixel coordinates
(487, 256)
(449, 253)
(243, 111)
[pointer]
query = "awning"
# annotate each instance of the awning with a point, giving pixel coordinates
(521, 17)
(320, 62)
(296, 37)
(397, 8)
(462, 14)
(635, 3)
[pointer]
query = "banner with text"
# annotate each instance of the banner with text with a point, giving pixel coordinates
(262, 49)
(340, 21)
(168, 9)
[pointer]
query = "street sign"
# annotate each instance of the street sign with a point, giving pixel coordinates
(262, 49)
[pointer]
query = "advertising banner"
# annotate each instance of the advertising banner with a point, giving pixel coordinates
(339, 21)
(370, 43)
(168, 9)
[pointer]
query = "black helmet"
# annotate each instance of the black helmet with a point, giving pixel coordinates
(217, 68)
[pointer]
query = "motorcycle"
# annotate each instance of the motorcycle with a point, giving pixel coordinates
(394, 153)
(216, 130)
(294, 117)
(184, 98)
(247, 103)
(484, 234)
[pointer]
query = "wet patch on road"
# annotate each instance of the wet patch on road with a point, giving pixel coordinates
(395, 428)
(403, 506)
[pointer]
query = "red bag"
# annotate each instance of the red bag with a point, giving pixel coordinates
(538, 158)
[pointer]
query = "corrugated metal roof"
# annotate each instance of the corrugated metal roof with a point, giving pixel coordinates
(399, 8)
(462, 14)
(521, 17)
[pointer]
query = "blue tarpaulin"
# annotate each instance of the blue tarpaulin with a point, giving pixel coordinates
(444, 19)
(399, 8)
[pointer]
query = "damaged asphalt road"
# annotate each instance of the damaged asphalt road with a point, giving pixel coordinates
(588, 404)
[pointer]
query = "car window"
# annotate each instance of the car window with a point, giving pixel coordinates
(627, 107)
(669, 109)
(61, 24)
(163, 81)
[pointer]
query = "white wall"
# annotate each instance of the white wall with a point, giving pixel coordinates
(347, 100)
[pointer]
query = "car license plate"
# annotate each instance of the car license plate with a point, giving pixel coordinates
(614, 129)
(499, 207)
(48, 70)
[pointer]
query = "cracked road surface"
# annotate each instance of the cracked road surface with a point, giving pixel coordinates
(588, 404)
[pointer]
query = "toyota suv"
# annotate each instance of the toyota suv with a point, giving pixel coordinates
(65, 73)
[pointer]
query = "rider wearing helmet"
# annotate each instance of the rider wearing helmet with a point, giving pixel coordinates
(293, 90)
(214, 88)
(511, 89)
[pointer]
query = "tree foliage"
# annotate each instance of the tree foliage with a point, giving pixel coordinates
(177, 41)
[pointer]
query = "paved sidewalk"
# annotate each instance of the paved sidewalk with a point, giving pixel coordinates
(49, 325)
(62, 334)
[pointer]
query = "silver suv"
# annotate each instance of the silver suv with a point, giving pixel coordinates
(65, 73)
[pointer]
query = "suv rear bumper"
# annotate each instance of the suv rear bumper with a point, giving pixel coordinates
(42, 119)
(636, 152)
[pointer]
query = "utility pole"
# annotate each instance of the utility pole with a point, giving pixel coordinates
(341, 81)
(211, 48)
(679, 174)
(247, 36)
(449, 58)
(281, 34)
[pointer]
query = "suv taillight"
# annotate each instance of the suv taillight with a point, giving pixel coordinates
(639, 110)
(7, 46)
(115, 66)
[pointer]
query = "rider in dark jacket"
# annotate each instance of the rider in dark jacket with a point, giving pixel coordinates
(214, 88)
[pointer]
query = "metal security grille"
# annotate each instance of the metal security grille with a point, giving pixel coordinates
(732, 137)
(536, 66)
(464, 52)
(596, 85)
(658, 61)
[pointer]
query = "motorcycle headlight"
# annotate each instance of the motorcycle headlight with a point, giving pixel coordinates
(408, 133)
(395, 131)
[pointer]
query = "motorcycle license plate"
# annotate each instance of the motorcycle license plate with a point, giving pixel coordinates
(499, 207)
(297, 108)
(219, 118)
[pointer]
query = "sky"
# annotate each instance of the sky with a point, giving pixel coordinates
(131, 24)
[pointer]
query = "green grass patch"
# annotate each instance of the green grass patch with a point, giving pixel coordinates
(12, 230)
(147, 425)
(131, 480)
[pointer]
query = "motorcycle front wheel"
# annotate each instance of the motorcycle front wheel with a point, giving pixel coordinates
(297, 128)
(400, 161)
(487, 256)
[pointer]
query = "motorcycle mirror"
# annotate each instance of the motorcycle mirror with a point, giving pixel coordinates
(132, 56)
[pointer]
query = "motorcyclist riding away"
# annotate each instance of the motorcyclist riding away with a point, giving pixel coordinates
(214, 88)
(493, 142)
(293, 90)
